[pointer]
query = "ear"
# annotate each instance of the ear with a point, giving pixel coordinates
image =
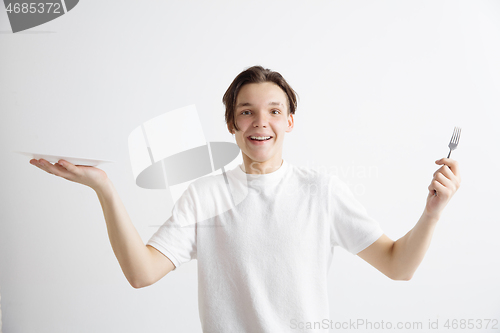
(290, 123)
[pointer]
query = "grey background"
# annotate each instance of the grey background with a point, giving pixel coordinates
(381, 86)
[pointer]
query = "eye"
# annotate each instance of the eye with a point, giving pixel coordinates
(276, 111)
(243, 112)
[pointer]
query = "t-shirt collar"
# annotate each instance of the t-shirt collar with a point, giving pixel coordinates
(266, 178)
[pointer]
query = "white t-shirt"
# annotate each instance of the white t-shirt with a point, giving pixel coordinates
(264, 245)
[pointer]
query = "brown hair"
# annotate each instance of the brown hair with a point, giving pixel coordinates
(256, 74)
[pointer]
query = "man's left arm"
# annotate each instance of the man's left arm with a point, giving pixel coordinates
(400, 259)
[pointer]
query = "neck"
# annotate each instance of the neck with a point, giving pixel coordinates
(260, 168)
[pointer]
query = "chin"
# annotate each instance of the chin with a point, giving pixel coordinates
(258, 157)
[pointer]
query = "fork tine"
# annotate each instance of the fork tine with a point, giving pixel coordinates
(453, 135)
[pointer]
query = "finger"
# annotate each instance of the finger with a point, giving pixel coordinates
(68, 166)
(38, 163)
(453, 175)
(53, 169)
(35, 163)
(446, 171)
(445, 181)
(437, 186)
(64, 173)
(46, 166)
(451, 163)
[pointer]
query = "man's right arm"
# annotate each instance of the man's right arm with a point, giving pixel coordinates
(142, 264)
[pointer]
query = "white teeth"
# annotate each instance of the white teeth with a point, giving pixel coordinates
(260, 137)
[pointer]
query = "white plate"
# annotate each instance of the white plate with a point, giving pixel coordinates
(72, 160)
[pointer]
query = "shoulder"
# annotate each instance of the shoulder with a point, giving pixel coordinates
(205, 198)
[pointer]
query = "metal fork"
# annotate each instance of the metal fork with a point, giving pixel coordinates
(454, 140)
(453, 143)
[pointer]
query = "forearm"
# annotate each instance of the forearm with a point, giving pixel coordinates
(400, 259)
(129, 249)
(409, 251)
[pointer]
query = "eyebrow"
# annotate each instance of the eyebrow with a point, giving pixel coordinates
(250, 104)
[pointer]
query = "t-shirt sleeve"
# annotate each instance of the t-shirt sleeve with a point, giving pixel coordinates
(351, 226)
(176, 238)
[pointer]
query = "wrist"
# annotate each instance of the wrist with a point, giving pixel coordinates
(430, 217)
(103, 187)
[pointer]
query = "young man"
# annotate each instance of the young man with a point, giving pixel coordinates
(264, 233)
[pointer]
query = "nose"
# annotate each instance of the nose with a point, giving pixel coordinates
(260, 119)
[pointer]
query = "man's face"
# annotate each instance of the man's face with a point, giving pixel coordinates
(261, 111)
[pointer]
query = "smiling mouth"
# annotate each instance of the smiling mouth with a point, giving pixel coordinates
(268, 138)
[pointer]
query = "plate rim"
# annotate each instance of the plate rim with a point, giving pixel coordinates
(64, 157)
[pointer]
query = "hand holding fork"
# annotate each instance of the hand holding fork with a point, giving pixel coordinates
(445, 182)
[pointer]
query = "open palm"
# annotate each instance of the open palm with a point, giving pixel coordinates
(83, 174)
